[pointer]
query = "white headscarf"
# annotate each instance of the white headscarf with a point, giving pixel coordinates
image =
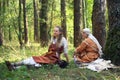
(87, 31)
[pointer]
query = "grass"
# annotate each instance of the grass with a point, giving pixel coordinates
(47, 72)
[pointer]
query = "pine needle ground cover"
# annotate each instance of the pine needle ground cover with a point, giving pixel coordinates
(47, 72)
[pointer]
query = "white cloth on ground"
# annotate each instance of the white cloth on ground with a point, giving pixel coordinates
(99, 65)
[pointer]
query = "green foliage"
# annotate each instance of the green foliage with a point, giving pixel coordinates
(11, 51)
(89, 12)
(10, 19)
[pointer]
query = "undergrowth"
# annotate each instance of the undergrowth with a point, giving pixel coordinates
(47, 72)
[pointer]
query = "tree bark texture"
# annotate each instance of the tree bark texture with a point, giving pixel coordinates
(112, 49)
(98, 21)
(36, 36)
(1, 34)
(43, 23)
(19, 25)
(63, 17)
(25, 22)
(77, 22)
(1, 37)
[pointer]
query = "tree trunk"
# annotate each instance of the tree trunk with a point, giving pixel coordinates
(19, 25)
(0, 7)
(10, 35)
(83, 14)
(98, 21)
(36, 37)
(86, 13)
(77, 22)
(1, 35)
(43, 23)
(112, 48)
(63, 18)
(25, 22)
(4, 6)
(51, 18)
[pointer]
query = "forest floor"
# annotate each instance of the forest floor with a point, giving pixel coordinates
(47, 72)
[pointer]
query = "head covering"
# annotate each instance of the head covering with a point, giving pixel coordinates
(87, 31)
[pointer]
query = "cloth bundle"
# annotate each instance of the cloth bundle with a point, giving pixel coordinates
(98, 65)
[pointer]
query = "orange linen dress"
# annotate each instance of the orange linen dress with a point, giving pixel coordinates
(87, 51)
(50, 57)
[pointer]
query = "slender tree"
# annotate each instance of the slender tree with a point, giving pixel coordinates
(1, 37)
(112, 48)
(0, 7)
(19, 25)
(83, 14)
(63, 17)
(43, 23)
(3, 18)
(98, 21)
(25, 22)
(36, 36)
(51, 17)
(1, 33)
(77, 22)
(86, 12)
(4, 6)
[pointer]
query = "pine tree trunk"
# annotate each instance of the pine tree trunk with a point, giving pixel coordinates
(19, 25)
(51, 19)
(10, 35)
(1, 35)
(63, 17)
(112, 49)
(36, 37)
(83, 14)
(43, 23)
(77, 22)
(25, 22)
(98, 21)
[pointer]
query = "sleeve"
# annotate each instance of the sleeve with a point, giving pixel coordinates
(51, 40)
(65, 45)
(81, 47)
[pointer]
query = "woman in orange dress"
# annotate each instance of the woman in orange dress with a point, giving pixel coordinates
(89, 50)
(57, 46)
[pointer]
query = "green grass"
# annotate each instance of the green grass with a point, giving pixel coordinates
(47, 72)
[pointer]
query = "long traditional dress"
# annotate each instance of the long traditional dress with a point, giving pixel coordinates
(87, 51)
(51, 56)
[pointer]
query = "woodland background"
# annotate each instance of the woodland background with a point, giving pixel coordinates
(26, 28)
